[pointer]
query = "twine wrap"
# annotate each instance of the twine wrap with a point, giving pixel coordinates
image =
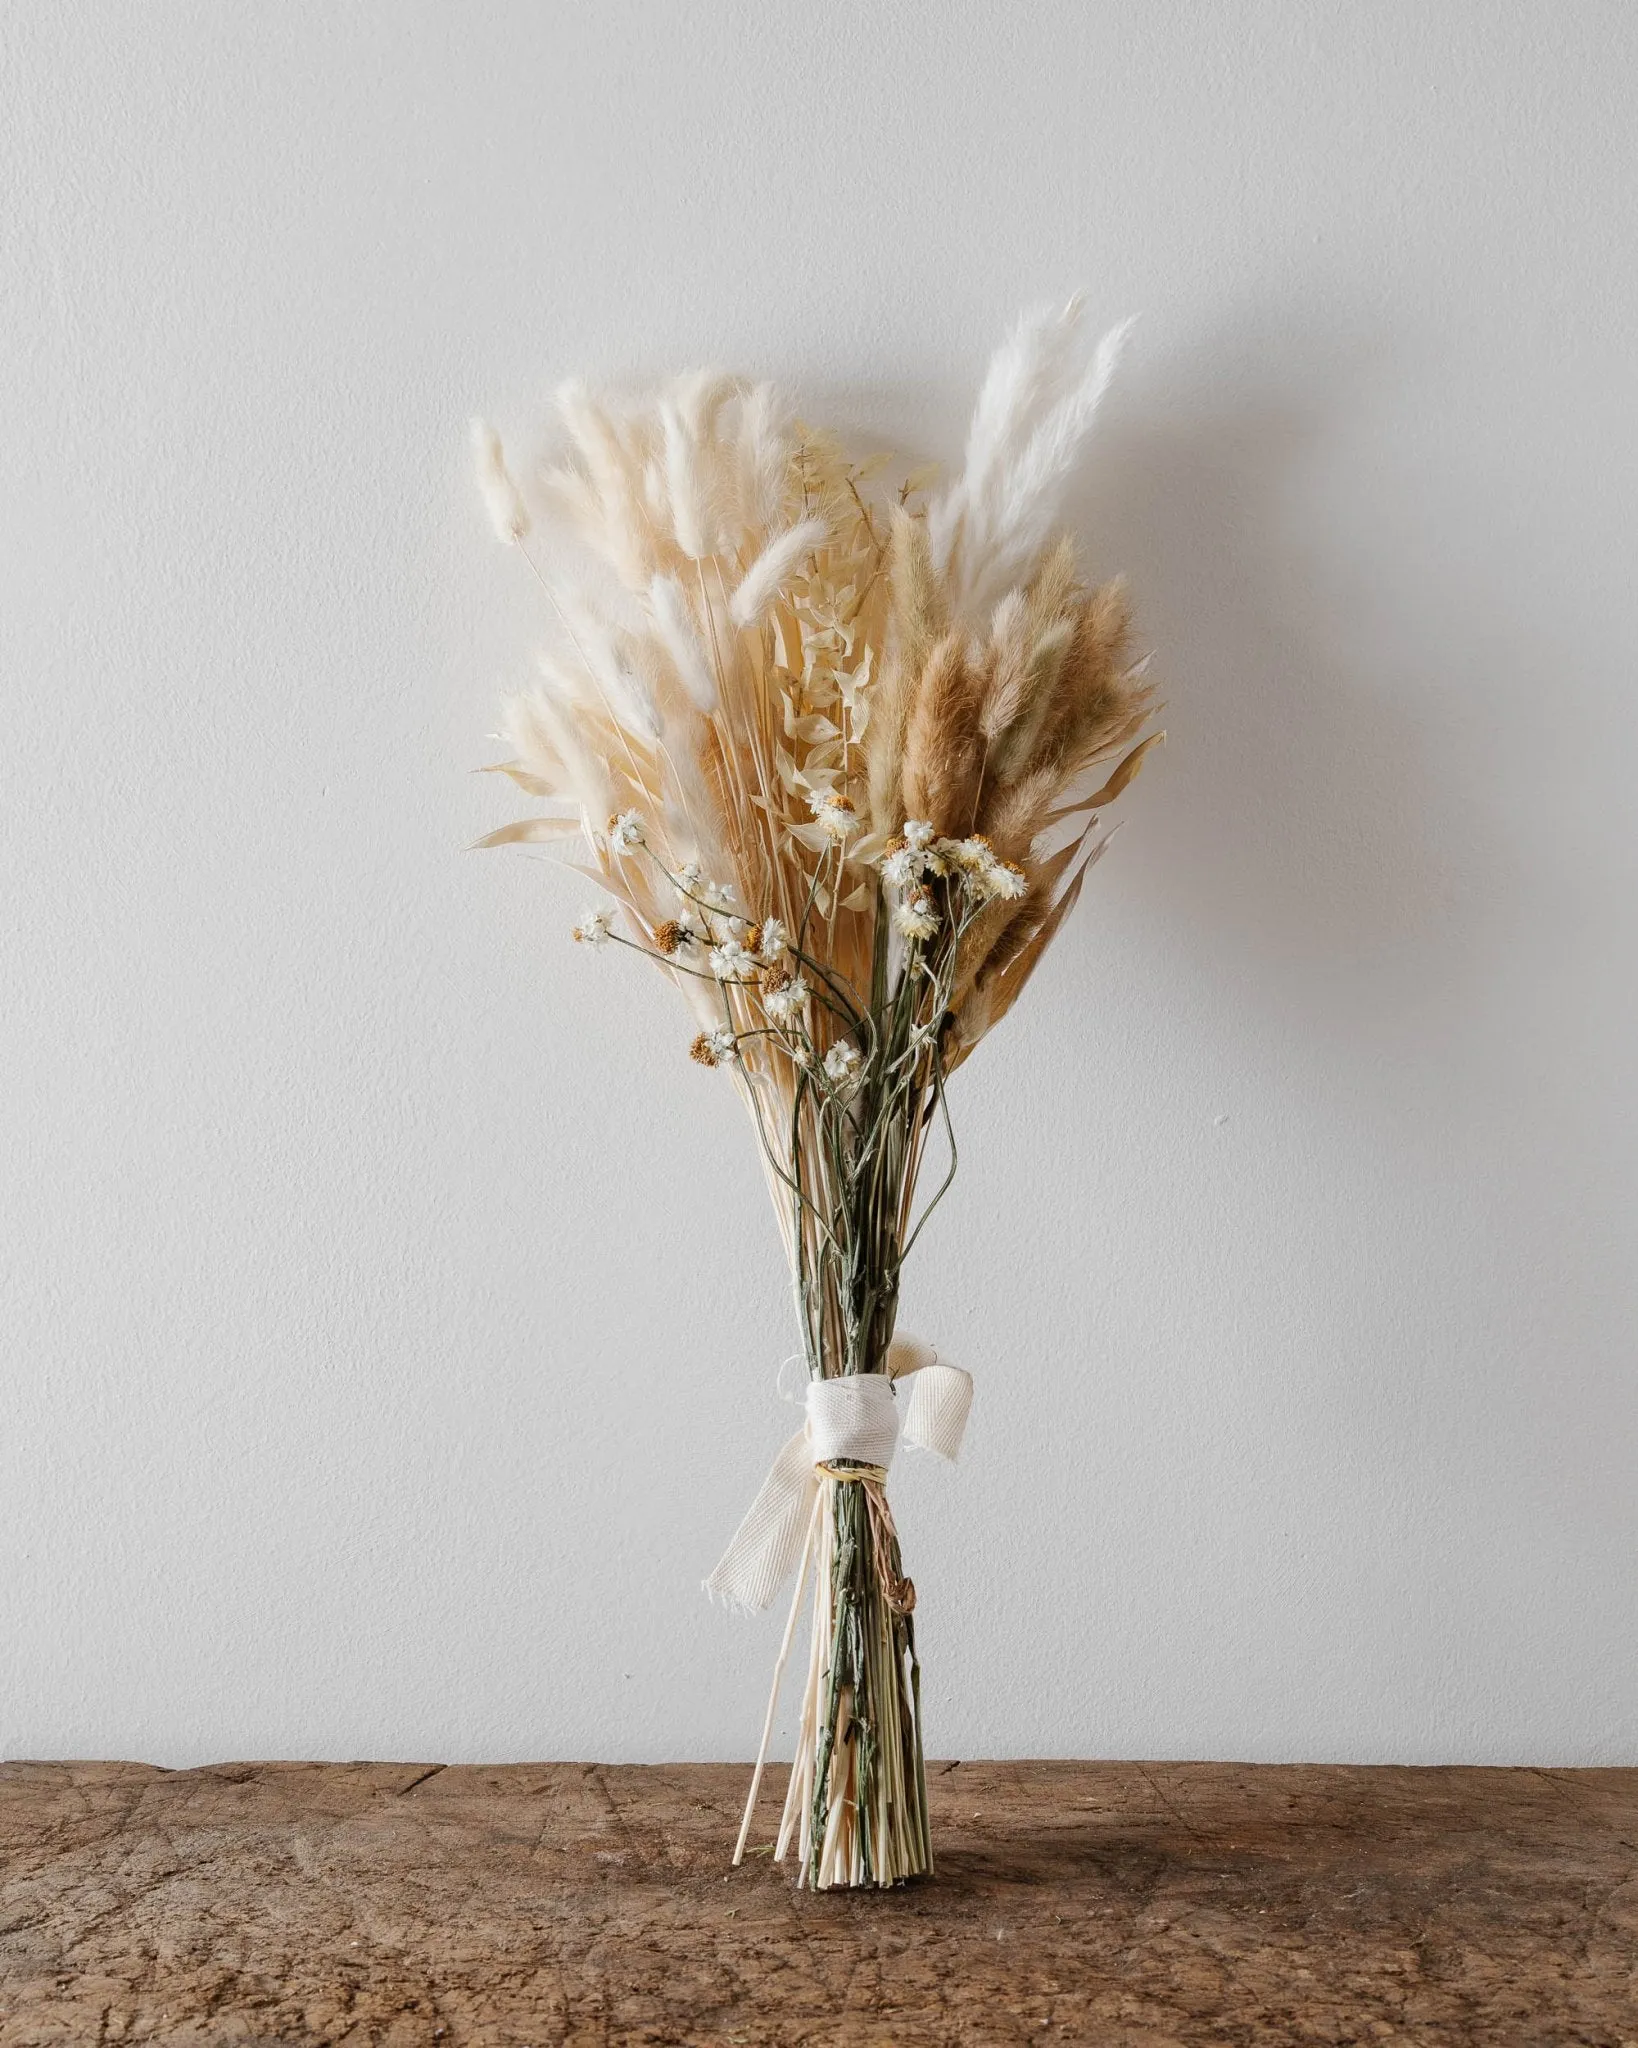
(858, 1418)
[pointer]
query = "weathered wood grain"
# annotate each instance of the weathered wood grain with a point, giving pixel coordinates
(1113, 1904)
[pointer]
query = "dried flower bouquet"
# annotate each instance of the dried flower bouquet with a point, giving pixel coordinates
(836, 752)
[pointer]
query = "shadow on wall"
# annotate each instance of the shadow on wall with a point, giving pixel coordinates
(1300, 821)
(1355, 690)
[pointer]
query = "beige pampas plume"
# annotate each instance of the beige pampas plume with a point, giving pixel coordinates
(1009, 664)
(915, 618)
(502, 499)
(1051, 592)
(1021, 698)
(1025, 688)
(777, 562)
(919, 611)
(1093, 705)
(943, 746)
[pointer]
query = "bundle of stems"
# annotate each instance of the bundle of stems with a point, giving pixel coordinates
(836, 751)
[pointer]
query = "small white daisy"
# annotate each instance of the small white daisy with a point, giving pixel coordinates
(730, 961)
(842, 1065)
(775, 939)
(627, 832)
(902, 867)
(919, 834)
(594, 928)
(687, 878)
(714, 1048)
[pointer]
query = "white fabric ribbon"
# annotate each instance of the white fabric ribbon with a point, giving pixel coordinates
(859, 1417)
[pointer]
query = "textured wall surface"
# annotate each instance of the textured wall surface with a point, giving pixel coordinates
(391, 1314)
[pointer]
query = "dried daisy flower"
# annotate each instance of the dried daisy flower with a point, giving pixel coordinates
(918, 834)
(834, 814)
(714, 1048)
(1004, 880)
(786, 1000)
(773, 939)
(671, 936)
(627, 832)
(971, 856)
(594, 928)
(902, 867)
(916, 918)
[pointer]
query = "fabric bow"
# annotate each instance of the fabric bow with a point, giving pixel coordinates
(859, 1417)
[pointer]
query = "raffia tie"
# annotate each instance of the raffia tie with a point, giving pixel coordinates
(898, 1591)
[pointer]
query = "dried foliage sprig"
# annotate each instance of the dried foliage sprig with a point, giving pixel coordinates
(837, 752)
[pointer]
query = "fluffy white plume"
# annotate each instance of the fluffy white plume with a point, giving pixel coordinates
(501, 497)
(674, 628)
(1027, 375)
(760, 584)
(688, 418)
(764, 457)
(1035, 484)
(602, 497)
(586, 780)
(1039, 400)
(625, 693)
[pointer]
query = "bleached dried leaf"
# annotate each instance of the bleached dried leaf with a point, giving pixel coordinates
(515, 772)
(527, 832)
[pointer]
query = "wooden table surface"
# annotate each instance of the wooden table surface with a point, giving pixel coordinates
(1110, 1904)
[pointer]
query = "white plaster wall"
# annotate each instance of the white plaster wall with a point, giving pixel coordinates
(367, 1388)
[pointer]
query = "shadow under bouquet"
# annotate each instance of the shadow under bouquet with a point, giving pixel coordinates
(835, 746)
